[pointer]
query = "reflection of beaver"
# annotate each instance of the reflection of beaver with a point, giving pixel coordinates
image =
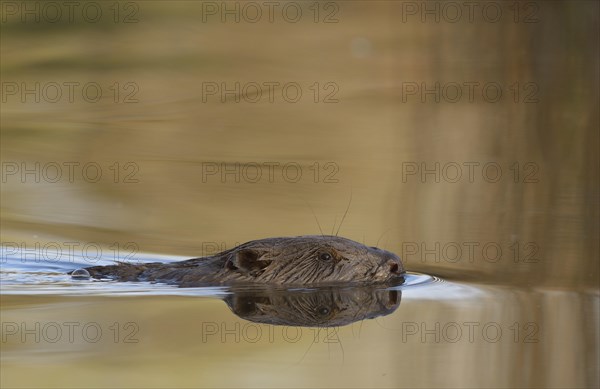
(302, 260)
(323, 307)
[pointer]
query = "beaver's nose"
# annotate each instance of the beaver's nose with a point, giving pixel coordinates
(394, 267)
(393, 263)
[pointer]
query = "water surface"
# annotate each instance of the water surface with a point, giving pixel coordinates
(492, 202)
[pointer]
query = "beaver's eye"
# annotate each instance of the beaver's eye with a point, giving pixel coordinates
(325, 257)
(323, 311)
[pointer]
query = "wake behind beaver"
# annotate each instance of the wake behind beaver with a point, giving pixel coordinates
(290, 261)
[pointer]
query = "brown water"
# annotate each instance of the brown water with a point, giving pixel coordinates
(487, 179)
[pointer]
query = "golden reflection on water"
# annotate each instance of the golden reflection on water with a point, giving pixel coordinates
(501, 338)
(156, 189)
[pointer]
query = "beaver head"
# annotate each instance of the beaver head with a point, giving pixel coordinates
(306, 260)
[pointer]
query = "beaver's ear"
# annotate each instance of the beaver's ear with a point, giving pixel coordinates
(248, 260)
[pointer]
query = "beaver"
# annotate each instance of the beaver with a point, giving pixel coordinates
(290, 261)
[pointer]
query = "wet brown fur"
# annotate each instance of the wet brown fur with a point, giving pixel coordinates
(301, 260)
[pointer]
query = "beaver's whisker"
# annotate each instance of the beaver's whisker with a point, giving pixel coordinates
(384, 232)
(334, 223)
(317, 220)
(345, 213)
